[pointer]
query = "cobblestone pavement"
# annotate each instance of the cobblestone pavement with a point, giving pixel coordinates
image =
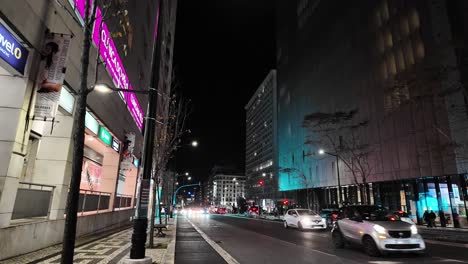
(109, 249)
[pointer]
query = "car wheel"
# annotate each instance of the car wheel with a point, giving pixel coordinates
(285, 224)
(299, 226)
(370, 247)
(338, 240)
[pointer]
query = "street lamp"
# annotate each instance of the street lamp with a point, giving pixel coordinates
(194, 143)
(189, 178)
(323, 152)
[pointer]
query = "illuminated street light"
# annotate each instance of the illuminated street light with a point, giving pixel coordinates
(263, 174)
(103, 88)
(186, 174)
(321, 151)
(189, 178)
(194, 143)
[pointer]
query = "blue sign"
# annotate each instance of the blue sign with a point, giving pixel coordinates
(12, 51)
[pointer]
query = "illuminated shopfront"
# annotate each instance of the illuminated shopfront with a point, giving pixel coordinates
(446, 196)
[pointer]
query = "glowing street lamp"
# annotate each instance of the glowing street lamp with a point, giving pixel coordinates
(194, 143)
(323, 152)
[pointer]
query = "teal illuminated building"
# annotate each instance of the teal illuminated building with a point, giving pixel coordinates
(397, 63)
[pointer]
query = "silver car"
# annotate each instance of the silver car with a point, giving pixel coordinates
(377, 230)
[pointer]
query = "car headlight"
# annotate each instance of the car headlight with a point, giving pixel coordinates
(414, 230)
(380, 229)
(306, 221)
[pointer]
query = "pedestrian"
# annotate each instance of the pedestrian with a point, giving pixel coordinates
(432, 217)
(426, 218)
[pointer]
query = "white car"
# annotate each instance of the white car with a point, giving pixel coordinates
(377, 230)
(304, 219)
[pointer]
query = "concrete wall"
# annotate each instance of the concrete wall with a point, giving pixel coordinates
(22, 239)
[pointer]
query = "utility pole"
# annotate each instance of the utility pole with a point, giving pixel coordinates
(140, 222)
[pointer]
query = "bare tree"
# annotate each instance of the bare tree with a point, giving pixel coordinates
(171, 127)
(341, 134)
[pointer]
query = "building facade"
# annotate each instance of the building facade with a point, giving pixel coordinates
(36, 150)
(260, 144)
(398, 66)
(227, 188)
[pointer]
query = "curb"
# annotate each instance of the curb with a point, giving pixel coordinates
(169, 255)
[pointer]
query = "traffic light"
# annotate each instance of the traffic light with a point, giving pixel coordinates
(261, 182)
(286, 202)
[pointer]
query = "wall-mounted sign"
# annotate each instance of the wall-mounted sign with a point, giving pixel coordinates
(91, 123)
(115, 144)
(52, 70)
(11, 51)
(105, 136)
(103, 40)
(67, 101)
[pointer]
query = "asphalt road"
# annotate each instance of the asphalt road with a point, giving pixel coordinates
(264, 241)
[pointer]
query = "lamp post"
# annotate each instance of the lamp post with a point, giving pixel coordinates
(323, 152)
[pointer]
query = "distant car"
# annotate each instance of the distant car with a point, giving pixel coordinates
(404, 217)
(254, 210)
(376, 230)
(221, 210)
(304, 219)
(330, 214)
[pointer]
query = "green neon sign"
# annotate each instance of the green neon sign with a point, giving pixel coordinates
(105, 136)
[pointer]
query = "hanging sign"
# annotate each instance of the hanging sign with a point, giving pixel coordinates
(51, 74)
(105, 136)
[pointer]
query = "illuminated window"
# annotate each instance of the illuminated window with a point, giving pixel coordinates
(414, 22)
(385, 14)
(388, 39)
(391, 65)
(400, 60)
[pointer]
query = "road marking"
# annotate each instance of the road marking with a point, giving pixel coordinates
(226, 256)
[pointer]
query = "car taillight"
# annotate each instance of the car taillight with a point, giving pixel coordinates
(335, 216)
(392, 218)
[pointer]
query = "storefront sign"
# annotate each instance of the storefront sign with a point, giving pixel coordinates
(105, 136)
(91, 175)
(103, 40)
(91, 123)
(51, 74)
(115, 144)
(11, 51)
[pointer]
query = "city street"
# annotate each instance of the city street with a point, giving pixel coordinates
(265, 241)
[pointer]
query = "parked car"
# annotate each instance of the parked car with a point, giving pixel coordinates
(304, 219)
(221, 210)
(330, 214)
(377, 230)
(404, 217)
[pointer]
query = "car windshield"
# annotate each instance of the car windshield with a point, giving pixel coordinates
(375, 213)
(306, 212)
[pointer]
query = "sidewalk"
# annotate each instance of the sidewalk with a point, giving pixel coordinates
(450, 234)
(108, 248)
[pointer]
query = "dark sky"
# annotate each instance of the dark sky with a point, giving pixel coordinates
(223, 51)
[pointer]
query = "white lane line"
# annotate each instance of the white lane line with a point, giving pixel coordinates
(226, 256)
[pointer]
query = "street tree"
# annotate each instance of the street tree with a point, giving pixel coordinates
(171, 127)
(342, 134)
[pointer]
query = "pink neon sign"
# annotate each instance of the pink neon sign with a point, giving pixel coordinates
(103, 40)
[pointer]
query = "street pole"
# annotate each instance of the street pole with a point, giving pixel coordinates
(140, 222)
(338, 178)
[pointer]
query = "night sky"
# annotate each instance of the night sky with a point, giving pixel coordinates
(223, 51)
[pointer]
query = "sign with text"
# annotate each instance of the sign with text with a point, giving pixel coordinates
(105, 136)
(51, 74)
(11, 51)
